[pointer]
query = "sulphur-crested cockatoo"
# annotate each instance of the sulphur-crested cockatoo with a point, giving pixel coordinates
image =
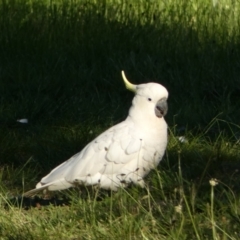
(124, 153)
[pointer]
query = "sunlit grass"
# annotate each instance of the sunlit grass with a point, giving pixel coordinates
(179, 201)
(60, 64)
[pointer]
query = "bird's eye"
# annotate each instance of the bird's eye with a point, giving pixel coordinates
(149, 99)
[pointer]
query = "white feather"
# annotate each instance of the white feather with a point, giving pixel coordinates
(123, 154)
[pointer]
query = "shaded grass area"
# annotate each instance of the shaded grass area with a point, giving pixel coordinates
(60, 64)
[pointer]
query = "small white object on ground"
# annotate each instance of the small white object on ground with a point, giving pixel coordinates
(23, 120)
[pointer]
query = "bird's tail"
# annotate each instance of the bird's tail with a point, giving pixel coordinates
(34, 191)
(59, 184)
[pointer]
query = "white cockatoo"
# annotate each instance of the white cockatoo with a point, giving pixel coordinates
(123, 154)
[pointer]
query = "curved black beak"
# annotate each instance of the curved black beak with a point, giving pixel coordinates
(161, 108)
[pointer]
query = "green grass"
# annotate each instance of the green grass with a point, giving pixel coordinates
(60, 64)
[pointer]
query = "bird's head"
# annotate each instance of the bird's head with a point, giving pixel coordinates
(150, 98)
